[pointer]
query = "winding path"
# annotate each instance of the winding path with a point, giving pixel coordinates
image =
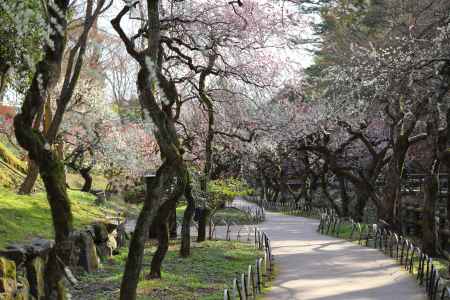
(312, 266)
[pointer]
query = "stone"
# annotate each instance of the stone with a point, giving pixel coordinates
(100, 233)
(8, 282)
(122, 236)
(16, 253)
(40, 247)
(103, 250)
(6, 296)
(23, 290)
(110, 227)
(112, 242)
(35, 274)
(88, 258)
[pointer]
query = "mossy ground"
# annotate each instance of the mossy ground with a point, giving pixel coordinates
(203, 276)
(23, 217)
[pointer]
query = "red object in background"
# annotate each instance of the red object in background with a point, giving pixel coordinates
(7, 114)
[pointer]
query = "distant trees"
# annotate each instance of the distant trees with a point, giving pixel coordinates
(380, 84)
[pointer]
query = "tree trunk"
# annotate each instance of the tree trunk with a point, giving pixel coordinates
(446, 159)
(388, 209)
(85, 173)
(3, 80)
(51, 169)
(202, 224)
(136, 252)
(173, 223)
(344, 197)
(361, 201)
(28, 183)
(429, 229)
(163, 246)
(185, 249)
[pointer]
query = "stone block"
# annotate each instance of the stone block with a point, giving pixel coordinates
(100, 233)
(88, 258)
(35, 274)
(8, 282)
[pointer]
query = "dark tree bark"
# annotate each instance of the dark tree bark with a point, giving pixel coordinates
(46, 76)
(202, 224)
(86, 174)
(431, 182)
(163, 246)
(185, 249)
(446, 158)
(27, 185)
(4, 70)
(161, 223)
(429, 230)
(205, 99)
(344, 196)
(388, 210)
(173, 223)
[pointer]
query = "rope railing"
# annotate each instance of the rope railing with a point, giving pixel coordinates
(247, 285)
(411, 257)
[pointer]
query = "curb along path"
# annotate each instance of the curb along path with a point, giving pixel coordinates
(313, 266)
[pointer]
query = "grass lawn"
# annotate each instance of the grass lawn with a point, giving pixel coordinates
(24, 217)
(204, 275)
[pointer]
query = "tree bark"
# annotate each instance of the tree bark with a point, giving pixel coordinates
(344, 197)
(205, 99)
(85, 173)
(173, 223)
(28, 183)
(202, 224)
(429, 229)
(171, 178)
(391, 196)
(3, 80)
(431, 183)
(163, 246)
(161, 223)
(51, 169)
(185, 249)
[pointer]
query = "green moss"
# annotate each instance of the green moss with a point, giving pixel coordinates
(26, 216)
(7, 269)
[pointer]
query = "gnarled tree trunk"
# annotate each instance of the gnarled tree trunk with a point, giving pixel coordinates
(171, 178)
(185, 249)
(28, 183)
(45, 77)
(86, 174)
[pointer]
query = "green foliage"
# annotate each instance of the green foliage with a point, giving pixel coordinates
(204, 275)
(223, 191)
(21, 35)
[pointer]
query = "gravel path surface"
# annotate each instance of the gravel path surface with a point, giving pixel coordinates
(314, 266)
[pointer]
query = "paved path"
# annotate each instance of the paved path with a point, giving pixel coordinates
(314, 266)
